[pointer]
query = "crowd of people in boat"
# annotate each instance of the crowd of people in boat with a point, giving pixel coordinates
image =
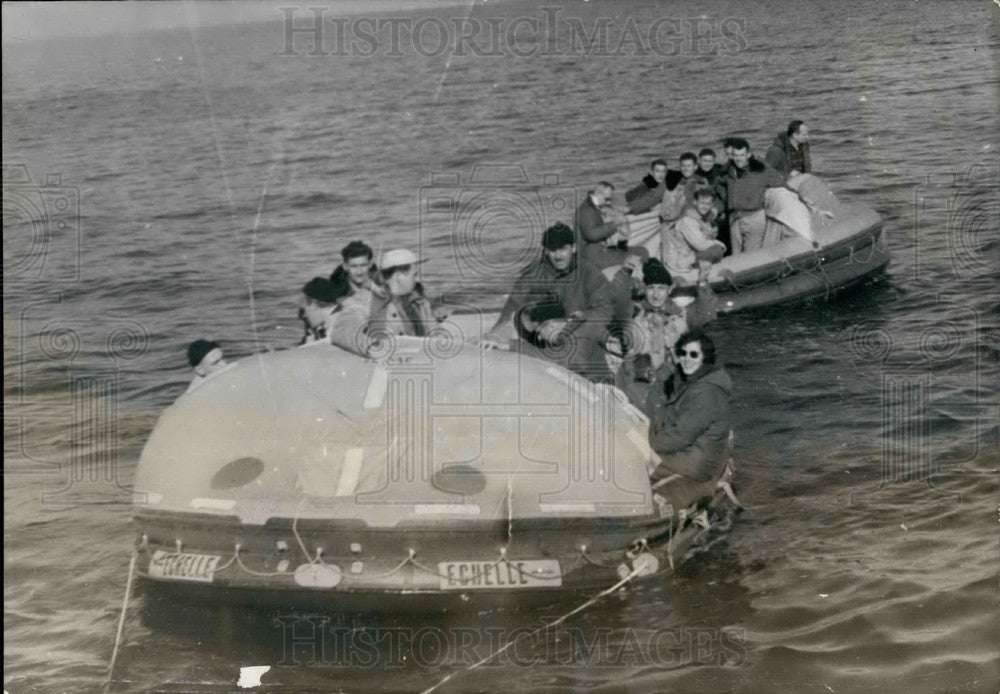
(596, 301)
(706, 209)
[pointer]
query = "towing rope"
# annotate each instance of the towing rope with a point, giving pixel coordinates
(121, 619)
(608, 591)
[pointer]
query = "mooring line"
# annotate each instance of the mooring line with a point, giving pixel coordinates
(121, 621)
(579, 608)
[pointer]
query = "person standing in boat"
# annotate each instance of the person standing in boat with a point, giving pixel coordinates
(573, 294)
(320, 304)
(593, 231)
(690, 422)
(790, 150)
(742, 190)
(206, 358)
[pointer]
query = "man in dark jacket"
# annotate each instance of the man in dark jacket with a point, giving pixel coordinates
(579, 290)
(741, 190)
(707, 166)
(649, 193)
(790, 150)
(689, 423)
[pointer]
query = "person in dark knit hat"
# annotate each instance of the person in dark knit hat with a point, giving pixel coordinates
(206, 358)
(665, 313)
(583, 293)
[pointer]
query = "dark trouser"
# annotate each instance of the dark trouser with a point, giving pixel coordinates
(685, 477)
(723, 225)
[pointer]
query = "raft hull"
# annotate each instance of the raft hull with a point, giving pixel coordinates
(441, 474)
(373, 580)
(796, 271)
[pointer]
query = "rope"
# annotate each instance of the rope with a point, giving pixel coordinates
(239, 563)
(791, 269)
(121, 620)
(544, 627)
(229, 563)
(298, 538)
(411, 559)
(876, 245)
(788, 268)
(399, 566)
(826, 278)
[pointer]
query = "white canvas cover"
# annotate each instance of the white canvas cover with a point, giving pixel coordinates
(316, 432)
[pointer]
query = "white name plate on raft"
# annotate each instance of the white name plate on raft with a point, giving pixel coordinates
(491, 575)
(446, 509)
(184, 566)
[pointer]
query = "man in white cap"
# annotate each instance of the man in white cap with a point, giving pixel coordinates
(398, 307)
